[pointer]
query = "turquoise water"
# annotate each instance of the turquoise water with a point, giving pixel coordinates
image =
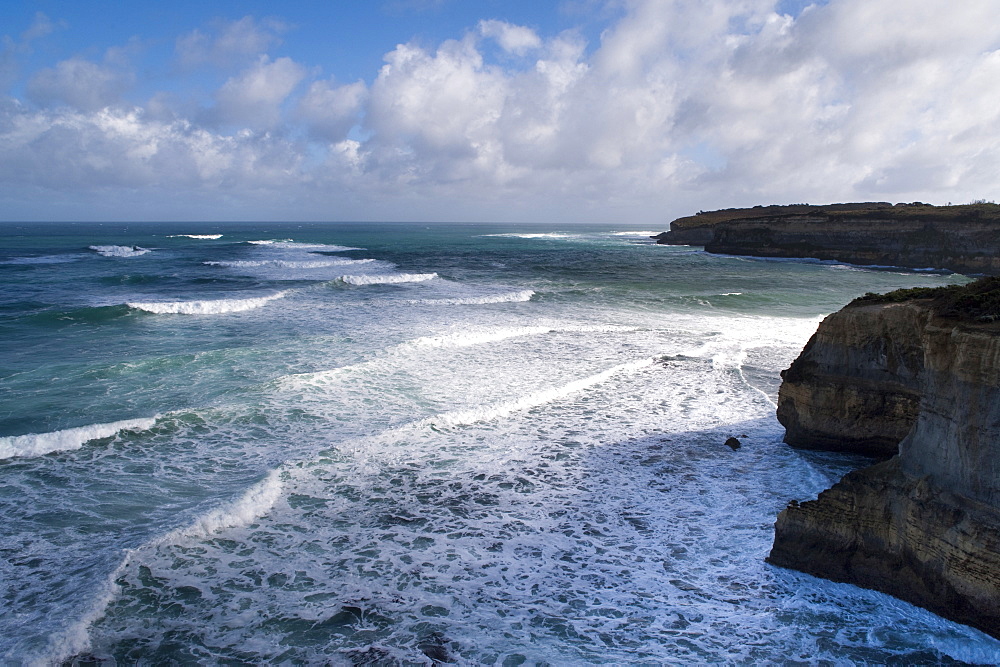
(397, 443)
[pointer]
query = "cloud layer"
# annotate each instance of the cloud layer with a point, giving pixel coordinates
(680, 106)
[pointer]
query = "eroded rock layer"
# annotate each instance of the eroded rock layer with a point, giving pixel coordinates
(923, 374)
(964, 239)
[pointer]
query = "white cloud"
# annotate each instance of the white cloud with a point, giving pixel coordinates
(330, 111)
(255, 96)
(681, 106)
(229, 43)
(514, 39)
(81, 83)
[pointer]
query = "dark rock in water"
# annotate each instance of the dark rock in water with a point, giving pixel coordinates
(371, 656)
(90, 660)
(733, 444)
(920, 376)
(435, 648)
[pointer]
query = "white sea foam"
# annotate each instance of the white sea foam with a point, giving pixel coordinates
(647, 234)
(119, 250)
(196, 236)
(243, 511)
(212, 307)
(45, 259)
(508, 297)
(286, 264)
(252, 505)
(470, 338)
(499, 410)
(387, 279)
(550, 235)
(39, 444)
(290, 244)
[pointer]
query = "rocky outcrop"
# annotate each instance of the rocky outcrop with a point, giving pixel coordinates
(856, 385)
(924, 525)
(964, 239)
(699, 229)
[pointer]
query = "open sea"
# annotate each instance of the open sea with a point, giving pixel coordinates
(415, 443)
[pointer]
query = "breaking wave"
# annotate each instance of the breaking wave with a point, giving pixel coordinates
(288, 243)
(551, 235)
(214, 307)
(39, 444)
(196, 236)
(386, 279)
(252, 505)
(509, 297)
(285, 264)
(119, 250)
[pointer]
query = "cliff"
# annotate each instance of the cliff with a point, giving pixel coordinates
(964, 239)
(925, 524)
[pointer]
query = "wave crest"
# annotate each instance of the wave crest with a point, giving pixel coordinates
(509, 297)
(119, 250)
(285, 264)
(387, 279)
(288, 243)
(40, 444)
(196, 236)
(213, 307)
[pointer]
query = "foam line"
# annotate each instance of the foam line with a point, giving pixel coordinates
(196, 236)
(215, 307)
(387, 279)
(499, 410)
(285, 264)
(290, 244)
(39, 444)
(255, 503)
(510, 297)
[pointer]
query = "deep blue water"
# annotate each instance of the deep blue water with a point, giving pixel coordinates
(358, 443)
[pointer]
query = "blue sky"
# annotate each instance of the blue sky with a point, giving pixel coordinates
(581, 110)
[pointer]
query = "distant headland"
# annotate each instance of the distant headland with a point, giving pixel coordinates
(963, 238)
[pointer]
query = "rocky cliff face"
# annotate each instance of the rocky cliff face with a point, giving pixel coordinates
(924, 525)
(964, 239)
(856, 385)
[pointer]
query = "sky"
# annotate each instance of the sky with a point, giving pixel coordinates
(609, 111)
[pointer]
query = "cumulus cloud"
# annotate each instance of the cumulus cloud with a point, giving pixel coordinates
(330, 111)
(254, 97)
(229, 42)
(514, 39)
(81, 84)
(679, 106)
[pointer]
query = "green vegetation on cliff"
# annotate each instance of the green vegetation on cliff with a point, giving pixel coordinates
(978, 301)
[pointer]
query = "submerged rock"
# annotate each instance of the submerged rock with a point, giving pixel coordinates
(924, 525)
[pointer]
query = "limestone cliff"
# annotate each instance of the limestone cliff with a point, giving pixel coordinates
(924, 525)
(964, 239)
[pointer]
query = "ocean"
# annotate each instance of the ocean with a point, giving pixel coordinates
(415, 443)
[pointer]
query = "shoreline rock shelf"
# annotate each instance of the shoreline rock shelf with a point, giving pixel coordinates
(919, 369)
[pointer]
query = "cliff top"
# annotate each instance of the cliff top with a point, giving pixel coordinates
(914, 211)
(978, 301)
